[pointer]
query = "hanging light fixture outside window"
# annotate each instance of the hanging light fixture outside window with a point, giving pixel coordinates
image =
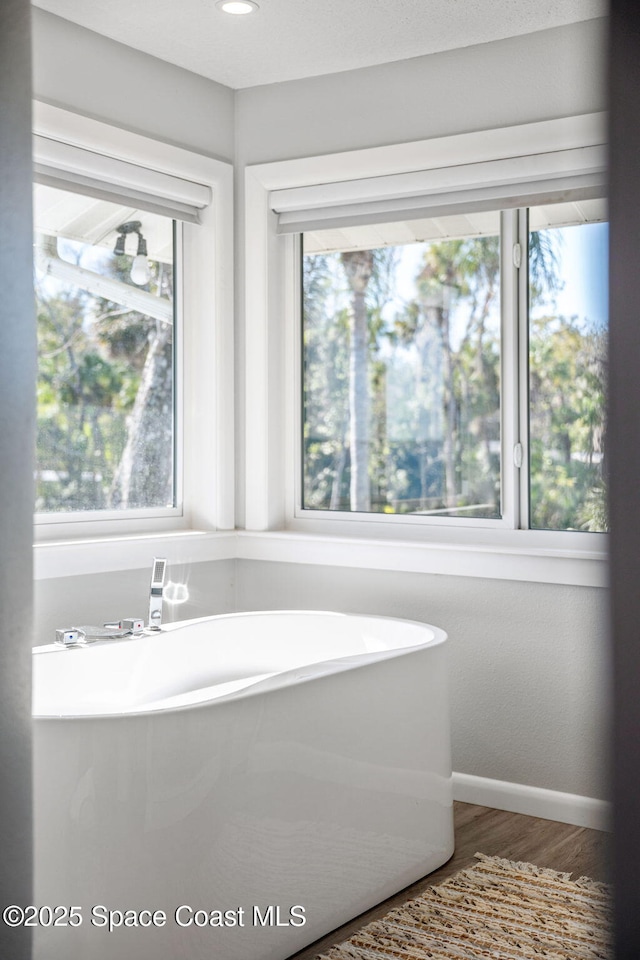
(140, 272)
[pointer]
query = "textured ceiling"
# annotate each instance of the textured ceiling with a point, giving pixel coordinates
(290, 39)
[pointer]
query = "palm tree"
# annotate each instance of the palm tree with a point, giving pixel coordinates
(358, 268)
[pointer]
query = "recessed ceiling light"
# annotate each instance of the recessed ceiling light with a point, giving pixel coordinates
(238, 7)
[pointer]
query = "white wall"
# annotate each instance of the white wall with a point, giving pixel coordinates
(552, 73)
(82, 71)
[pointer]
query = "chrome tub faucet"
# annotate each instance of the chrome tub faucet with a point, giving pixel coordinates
(158, 572)
(132, 627)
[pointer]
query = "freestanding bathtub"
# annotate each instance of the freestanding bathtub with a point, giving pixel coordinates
(256, 780)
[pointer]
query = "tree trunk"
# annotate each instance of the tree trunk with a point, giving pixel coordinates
(449, 404)
(144, 477)
(358, 266)
(336, 486)
(438, 317)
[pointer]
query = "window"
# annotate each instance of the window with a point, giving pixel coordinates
(567, 366)
(289, 516)
(407, 388)
(106, 310)
(133, 273)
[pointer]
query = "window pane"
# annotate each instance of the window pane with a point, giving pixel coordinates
(567, 368)
(401, 368)
(105, 432)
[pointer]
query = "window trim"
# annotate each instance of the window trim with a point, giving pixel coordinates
(271, 357)
(206, 346)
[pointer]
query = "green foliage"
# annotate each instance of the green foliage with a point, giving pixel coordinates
(434, 388)
(407, 348)
(92, 356)
(326, 378)
(567, 425)
(94, 382)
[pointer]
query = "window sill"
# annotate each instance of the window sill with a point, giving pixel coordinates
(495, 561)
(69, 558)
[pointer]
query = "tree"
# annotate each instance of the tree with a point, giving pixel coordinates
(145, 473)
(568, 429)
(105, 383)
(358, 268)
(457, 385)
(568, 386)
(326, 386)
(417, 384)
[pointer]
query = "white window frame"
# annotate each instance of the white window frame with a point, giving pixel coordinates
(276, 526)
(204, 292)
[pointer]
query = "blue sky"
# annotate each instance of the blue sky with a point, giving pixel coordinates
(584, 265)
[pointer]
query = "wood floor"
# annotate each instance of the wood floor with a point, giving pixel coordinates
(546, 843)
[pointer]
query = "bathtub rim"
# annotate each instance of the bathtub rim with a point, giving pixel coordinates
(252, 687)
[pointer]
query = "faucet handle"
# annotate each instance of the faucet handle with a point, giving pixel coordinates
(135, 625)
(68, 637)
(129, 625)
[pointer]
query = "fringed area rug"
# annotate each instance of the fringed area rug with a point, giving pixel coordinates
(495, 909)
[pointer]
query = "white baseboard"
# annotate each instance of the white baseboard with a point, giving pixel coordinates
(532, 801)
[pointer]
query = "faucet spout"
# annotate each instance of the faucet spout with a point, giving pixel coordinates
(158, 572)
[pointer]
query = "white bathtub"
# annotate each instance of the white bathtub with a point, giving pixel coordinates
(248, 761)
